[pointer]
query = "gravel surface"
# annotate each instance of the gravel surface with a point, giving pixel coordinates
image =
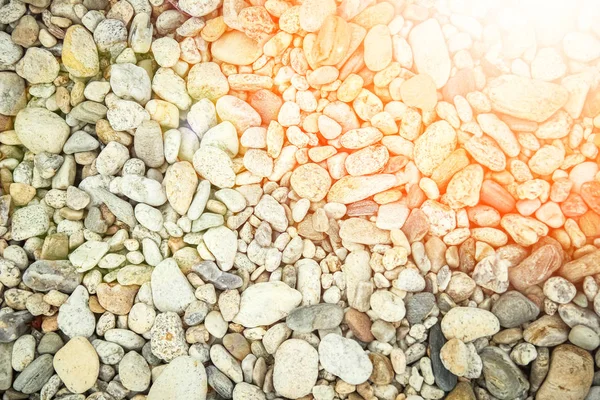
(317, 199)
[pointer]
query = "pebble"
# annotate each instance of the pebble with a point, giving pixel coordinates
(387, 306)
(537, 100)
(503, 378)
(134, 372)
(38, 66)
(296, 368)
(434, 146)
(14, 87)
(420, 92)
(468, 324)
(183, 378)
(214, 165)
(77, 365)
(180, 186)
(559, 290)
(23, 352)
(584, 337)
(47, 275)
(246, 51)
(378, 48)
(13, 325)
(345, 358)
(430, 52)
(205, 80)
(33, 378)
(546, 331)
(514, 309)
(319, 316)
(75, 317)
(570, 374)
(171, 291)
(79, 53)
(41, 130)
(130, 82)
(265, 303)
(167, 338)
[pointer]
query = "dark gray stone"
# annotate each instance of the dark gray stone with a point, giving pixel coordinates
(13, 325)
(419, 306)
(318, 316)
(513, 309)
(219, 382)
(444, 379)
(503, 378)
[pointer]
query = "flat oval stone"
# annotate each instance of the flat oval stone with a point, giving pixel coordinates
(46, 275)
(430, 52)
(378, 48)
(318, 316)
(468, 324)
(236, 48)
(180, 185)
(525, 98)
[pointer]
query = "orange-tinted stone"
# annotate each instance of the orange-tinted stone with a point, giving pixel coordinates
(332, 42)
(360, 325)
(266, 103)
(536, 268)
(573, 206)
(590, 191)
(415, 197)
(496, 196)
(589, 223)
(256, 23)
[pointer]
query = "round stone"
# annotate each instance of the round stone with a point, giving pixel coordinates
(311, 181)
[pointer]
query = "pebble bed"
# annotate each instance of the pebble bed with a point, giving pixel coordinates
(318, 199)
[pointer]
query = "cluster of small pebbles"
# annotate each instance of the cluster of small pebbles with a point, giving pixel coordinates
(301, 199)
